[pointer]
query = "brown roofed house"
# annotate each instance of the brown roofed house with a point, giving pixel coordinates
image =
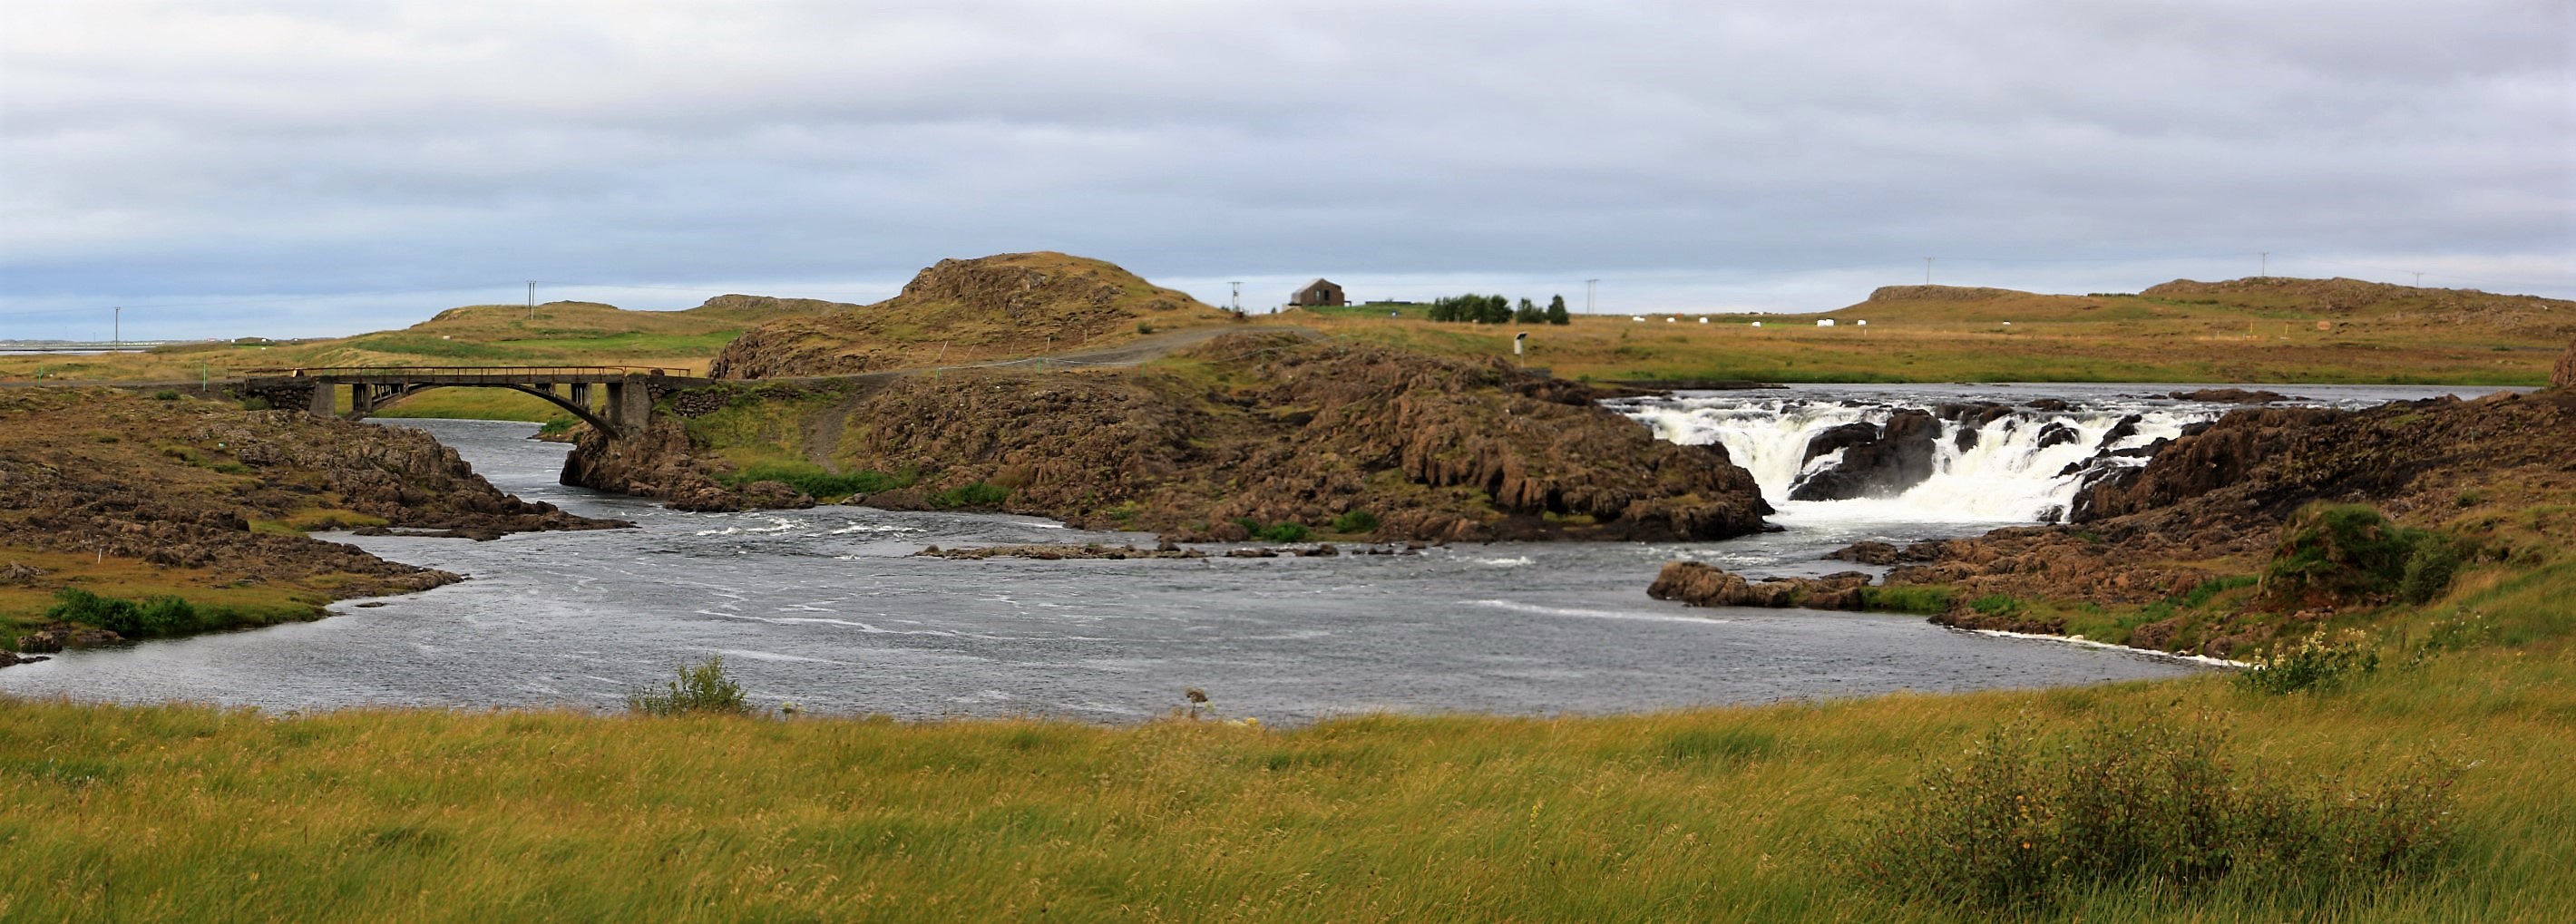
(1321, 292)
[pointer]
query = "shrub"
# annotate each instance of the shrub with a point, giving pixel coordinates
(72, 604)
(2154, 808)
(2430, 567)
(1925, 601)
(128, 618)
(558, 425)
(1285, 532)
(2351, 552)
(165, 395)
(254, 404)
(703, 688)
(1355, 521)
(811, 479)
(2318, 663)
(978, 494)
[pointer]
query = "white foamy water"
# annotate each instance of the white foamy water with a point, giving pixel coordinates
(2006, 477)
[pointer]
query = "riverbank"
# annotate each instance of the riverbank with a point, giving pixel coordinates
(136, 497)
(121, 812)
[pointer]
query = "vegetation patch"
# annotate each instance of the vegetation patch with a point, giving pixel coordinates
(973, 495)
(1927, 601)
(699, 688)
(814, 480)
(2154, 809)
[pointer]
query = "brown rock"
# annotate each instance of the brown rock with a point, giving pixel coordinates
(1700, 584)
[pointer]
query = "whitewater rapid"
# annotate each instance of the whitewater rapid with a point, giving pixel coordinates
(2005, 476)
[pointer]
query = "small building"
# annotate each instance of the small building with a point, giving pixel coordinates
(1318, 294)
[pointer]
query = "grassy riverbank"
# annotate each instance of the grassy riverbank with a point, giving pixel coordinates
(181, 812)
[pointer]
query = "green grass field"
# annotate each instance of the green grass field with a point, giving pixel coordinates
(194, 813)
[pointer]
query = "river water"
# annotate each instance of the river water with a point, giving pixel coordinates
(827, 609)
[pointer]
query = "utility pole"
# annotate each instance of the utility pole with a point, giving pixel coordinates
(2419, 279)
(116, 328)
(2266, 266)
(1587, 295)
(1927, 271)
(532, 299)
(1238, 295)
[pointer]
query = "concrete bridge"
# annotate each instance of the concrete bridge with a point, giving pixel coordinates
(628, 393)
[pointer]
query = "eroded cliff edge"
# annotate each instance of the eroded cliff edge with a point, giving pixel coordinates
(1243, 432)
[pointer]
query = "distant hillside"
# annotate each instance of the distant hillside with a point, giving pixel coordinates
(996, 307)
(2273, 298)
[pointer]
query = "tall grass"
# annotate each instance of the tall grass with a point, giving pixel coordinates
(190, 812)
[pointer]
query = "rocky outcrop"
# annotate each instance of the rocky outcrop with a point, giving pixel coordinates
(1699, 584)
(1941, 294)
(1246, 428)
(1883, 461)
(2215, 504)
(962, 311)
(97, 475)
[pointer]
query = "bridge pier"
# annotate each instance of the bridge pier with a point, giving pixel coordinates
(580, 393)
(362, 399)
(321, 403)
(630, 405)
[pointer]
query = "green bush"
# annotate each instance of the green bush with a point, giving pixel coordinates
(2207, 590)
(254, 404)
(812, 479)
(2153, 808)
(1926, 601)
(558, 425)
(157, 616)
(165, 395)
(1285, 532)
(2430, 567)
(703, 688)
(2351, 552)
(1355, 521)
(2317, 663)
(978, 494)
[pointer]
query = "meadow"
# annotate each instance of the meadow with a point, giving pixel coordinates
(182, 812)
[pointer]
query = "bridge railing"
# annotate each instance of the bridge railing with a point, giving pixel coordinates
(489, 372)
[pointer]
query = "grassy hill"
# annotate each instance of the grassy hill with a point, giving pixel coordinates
(2246, 330)
(1000, 307)
(554, 333)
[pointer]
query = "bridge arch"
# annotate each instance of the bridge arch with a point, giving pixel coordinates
(401, 392)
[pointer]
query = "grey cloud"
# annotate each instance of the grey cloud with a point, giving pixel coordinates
(175, 152)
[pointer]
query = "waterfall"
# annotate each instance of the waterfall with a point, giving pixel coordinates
(2006, 476)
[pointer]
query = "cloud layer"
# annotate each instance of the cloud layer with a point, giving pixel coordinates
(370, 163)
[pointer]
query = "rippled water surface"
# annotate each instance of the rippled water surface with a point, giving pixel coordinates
(824, 608)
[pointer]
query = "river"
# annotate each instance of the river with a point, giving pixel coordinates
(827, 609)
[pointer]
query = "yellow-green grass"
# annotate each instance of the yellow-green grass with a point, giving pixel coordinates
(1793, 349)
(559, 333)
(194, 813)
(237, 603)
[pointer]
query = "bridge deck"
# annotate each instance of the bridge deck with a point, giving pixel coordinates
(466, 375)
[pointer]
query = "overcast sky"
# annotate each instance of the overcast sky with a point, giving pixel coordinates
(293, 168)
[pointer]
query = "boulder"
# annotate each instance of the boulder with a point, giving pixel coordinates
(1902, 456)
(1700, 584)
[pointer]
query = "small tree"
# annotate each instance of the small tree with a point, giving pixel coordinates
(1528, 313)
(1556, 313)
(1496, 310)
(703, 688)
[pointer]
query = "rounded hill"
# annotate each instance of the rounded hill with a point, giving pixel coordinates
(959, 311)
